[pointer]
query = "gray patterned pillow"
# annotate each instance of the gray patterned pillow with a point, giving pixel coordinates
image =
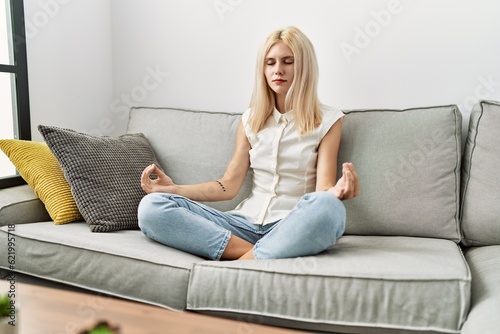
(104, 174)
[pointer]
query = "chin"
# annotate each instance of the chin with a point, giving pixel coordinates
(281, 90)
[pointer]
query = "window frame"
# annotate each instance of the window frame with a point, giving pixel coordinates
(20, 70)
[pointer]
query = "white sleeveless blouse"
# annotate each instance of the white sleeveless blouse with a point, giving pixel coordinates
(283, 163)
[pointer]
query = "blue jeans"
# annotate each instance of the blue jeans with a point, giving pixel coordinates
(314, 224)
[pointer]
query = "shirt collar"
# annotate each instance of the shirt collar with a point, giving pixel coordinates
(288, 116)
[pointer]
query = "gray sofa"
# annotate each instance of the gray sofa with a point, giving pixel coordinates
(421, 252)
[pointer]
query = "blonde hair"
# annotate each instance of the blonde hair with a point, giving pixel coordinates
(303, 93)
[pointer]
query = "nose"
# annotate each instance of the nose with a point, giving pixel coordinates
(278, 69)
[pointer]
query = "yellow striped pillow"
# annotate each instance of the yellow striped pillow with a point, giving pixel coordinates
(40, 169)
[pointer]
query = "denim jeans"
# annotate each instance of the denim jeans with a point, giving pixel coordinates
(313, 225)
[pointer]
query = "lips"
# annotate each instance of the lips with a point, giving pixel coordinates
(279, 81)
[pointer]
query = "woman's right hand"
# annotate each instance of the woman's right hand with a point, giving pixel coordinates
(162, 183)
(347, 186)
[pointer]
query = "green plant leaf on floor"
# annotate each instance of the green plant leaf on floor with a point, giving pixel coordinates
(4, 305)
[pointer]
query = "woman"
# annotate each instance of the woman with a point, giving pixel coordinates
(291, 142)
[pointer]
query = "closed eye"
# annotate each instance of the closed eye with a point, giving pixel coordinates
(270, 61)
(285, 60)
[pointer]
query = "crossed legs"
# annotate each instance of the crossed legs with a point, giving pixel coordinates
(315, 224)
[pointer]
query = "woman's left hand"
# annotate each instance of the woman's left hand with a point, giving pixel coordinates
(347, 186)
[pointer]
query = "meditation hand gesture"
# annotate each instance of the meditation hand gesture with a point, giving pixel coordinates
(162, 183)
(347, 186)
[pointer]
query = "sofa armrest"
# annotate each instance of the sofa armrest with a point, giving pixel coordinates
(20, 205)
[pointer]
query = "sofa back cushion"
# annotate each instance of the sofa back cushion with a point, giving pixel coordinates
(480, 213)
(191, 146)
(408, 164)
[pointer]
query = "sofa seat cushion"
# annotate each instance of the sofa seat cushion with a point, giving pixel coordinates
(484, 314)
(123, 263)
(21, 199)
(363, 284)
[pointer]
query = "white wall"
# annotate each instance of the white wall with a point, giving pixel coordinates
(69, 62)
(200, 54)
(372, 53)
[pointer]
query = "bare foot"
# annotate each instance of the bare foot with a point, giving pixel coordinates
(235, 248)
(247, 256)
